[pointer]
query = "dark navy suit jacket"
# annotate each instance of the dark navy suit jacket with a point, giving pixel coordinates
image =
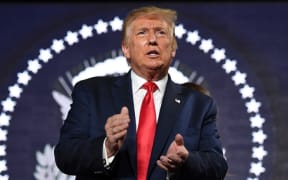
(183, 110)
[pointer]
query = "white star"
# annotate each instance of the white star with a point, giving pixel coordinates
(180, 31)
(4, 119)
(224, 153)
(253, 106)
(206, 45)
(193, 37)
(116, 24)
(239, 78)
(257, 121)
(259, 152)
(71, 38)
(23, 78)
(15, 91)
(86, 31)
(259, 137)
(218, 55)
(58, 45)
(45, 55)
(252, 178)
(256, 168)
(101, 27)
(4, 177)
(3, 166)
(229, 66)
(8, 105)
(2, 150)
(247, 91)
(34, 66)
(3, 135)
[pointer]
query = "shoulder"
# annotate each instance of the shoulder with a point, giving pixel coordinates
(97, 83)
(198, 94)
(196, 87)
(94, 80)
(98, 80)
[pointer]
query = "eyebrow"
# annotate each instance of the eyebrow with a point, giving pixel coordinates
(154, 28)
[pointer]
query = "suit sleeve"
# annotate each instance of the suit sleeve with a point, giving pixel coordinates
(207, 162)
(77, 153)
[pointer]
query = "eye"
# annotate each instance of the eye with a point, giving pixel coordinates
(161, 33)
(140, 33)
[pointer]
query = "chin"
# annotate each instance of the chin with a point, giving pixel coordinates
(156, 65)
(155, 68)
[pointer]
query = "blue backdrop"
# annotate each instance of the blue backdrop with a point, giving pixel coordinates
(236, 50)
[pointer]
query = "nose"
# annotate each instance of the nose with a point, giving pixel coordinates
(152, 39)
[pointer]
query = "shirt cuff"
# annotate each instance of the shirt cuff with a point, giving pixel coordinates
(169, 175)
(106, 161)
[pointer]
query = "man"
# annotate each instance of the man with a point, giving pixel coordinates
(102, 135)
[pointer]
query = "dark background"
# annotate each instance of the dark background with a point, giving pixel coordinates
(253, 33)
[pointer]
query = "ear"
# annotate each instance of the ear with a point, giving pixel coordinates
(173, 53)
(125, 50)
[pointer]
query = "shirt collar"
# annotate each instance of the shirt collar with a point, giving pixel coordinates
(138, 81)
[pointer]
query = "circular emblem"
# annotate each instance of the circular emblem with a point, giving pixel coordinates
(248, 103)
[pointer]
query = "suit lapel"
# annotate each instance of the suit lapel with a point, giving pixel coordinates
(169, 113)
(121, 98)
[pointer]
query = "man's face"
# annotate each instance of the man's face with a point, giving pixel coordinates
(149, 47)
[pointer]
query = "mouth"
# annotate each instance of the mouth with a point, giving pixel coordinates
(153, 53)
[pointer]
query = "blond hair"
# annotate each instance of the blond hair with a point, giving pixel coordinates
(169, 15)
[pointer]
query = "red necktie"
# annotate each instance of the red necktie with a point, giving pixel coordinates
(146, 131)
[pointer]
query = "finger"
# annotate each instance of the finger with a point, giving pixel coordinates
(116, 122)
(168, 163)
(119, 128)
(115, 138)
(179, 157)
(120, 135)
(159, 163)
(179, 139)
(174, 159)
(124, 110)
(165, 162)
(165, 167)
(122, 117)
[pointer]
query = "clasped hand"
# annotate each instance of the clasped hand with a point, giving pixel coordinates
(175, 156)
(116, 131)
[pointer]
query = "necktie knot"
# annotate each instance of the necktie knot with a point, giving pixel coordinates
(150, 86)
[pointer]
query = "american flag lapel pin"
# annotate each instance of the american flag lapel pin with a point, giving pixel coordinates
(177, 100)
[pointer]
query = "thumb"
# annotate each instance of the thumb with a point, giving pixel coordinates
(124, 110)
(179, 139)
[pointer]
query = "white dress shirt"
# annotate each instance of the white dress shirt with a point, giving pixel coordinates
(139, 93)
